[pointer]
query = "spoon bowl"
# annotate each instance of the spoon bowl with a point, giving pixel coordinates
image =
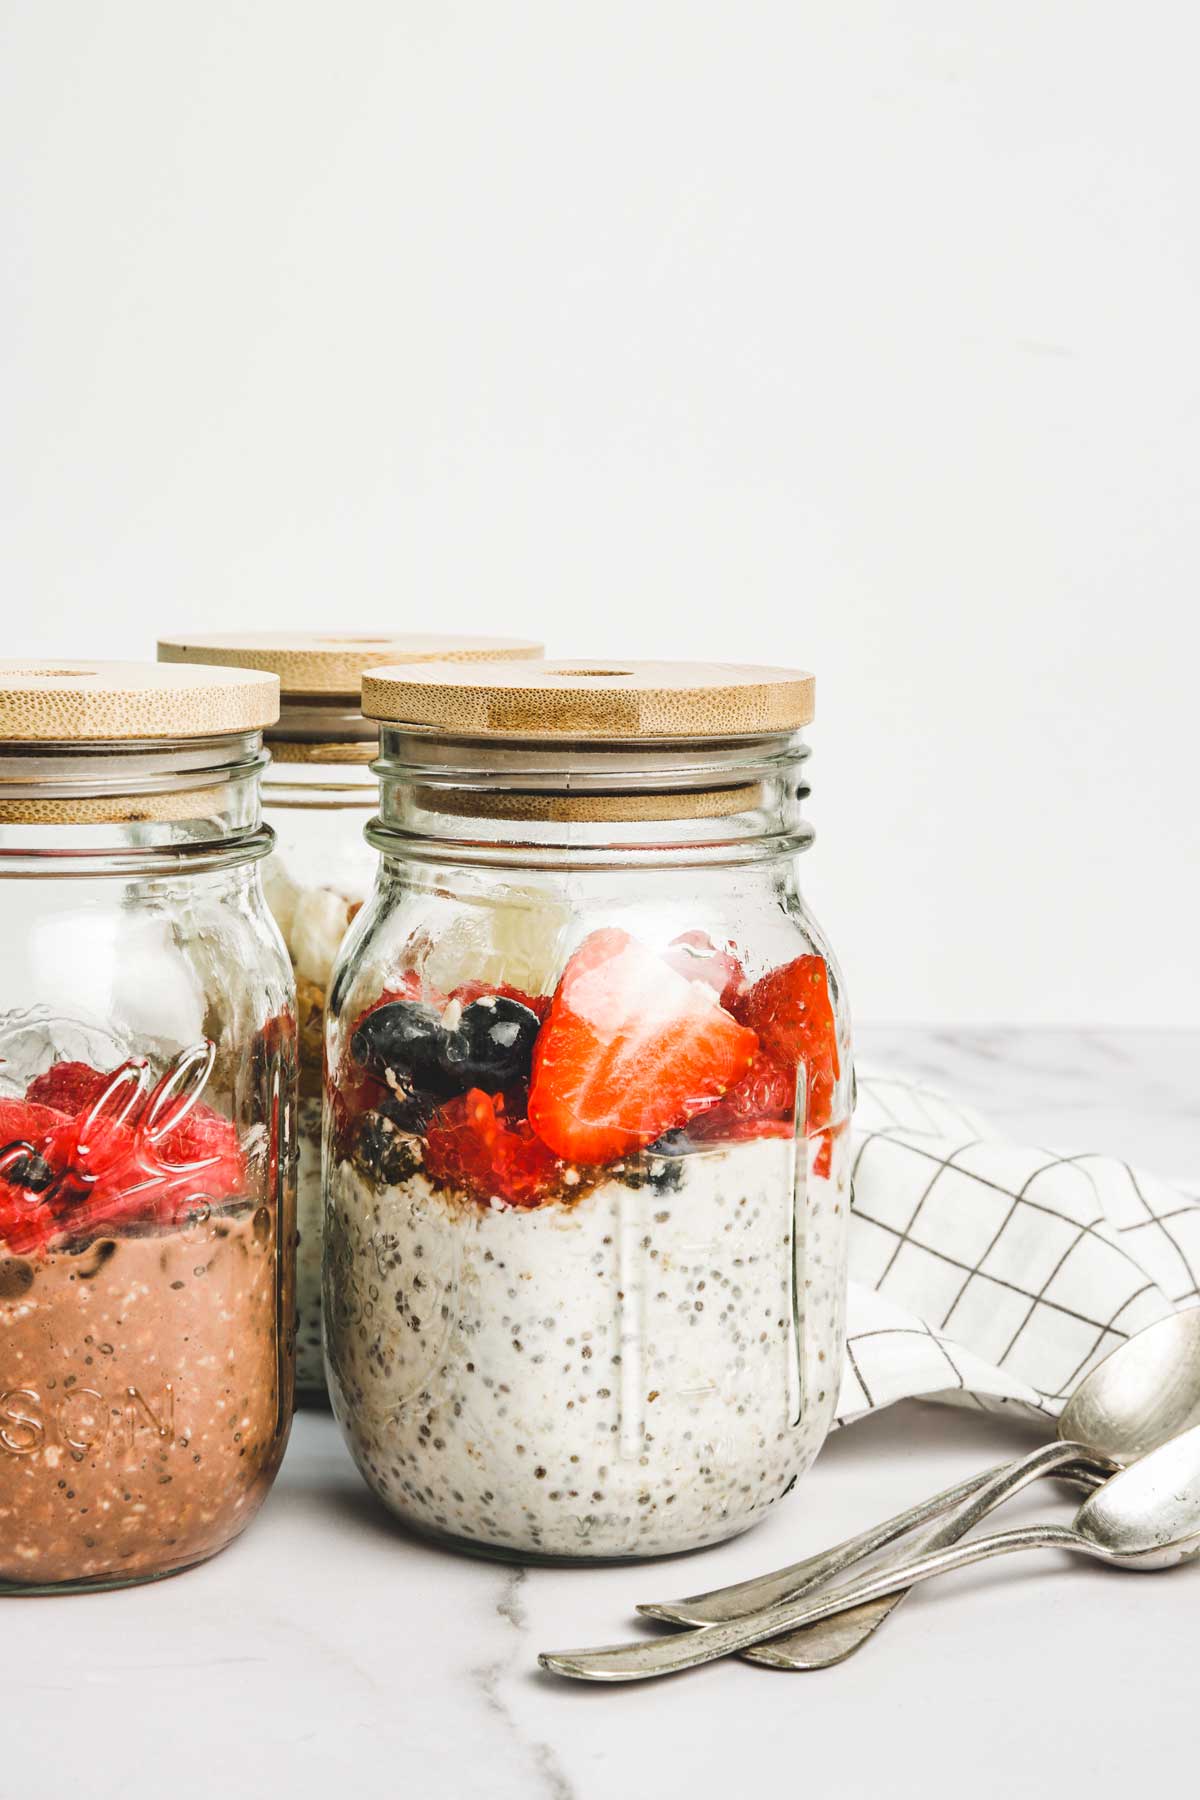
(1144, 1392)
(1148, 1516)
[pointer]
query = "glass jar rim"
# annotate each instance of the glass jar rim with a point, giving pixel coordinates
(475, 799)
(192, 801)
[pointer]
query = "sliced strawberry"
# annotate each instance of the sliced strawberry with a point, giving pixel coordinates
(694, 955)
(631, 1049)
(473, 1144)
(467, 992)
(792, 1013)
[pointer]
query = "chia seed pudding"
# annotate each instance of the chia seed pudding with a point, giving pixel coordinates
(592, 1307)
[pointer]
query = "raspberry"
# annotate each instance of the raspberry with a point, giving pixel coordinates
(201, 1135)
(475, 1145)
(764, 1097)
(120, 1157)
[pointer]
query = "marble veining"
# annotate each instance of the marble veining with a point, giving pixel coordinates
(548, 1776)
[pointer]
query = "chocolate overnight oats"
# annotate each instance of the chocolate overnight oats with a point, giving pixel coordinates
(147, 1123)
(146, 1393)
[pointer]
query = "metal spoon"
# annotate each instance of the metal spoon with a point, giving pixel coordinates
(1146, 1391)
(1146, 1517)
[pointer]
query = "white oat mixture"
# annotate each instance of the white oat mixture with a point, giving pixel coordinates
(616, 1376)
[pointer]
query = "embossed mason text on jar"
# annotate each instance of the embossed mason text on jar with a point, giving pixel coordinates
(586, 1173)
(147, 1124)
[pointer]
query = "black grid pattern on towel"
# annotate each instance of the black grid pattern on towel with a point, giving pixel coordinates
(988, 1258)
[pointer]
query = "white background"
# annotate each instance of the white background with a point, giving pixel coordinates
(837, 332)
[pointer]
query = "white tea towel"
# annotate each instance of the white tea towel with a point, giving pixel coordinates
(991, 1273)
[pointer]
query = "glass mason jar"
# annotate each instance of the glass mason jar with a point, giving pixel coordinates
(318, 796)
(587, 1159)
(147, 1124)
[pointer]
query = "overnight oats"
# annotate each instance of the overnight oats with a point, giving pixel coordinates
(147, 1126)
(138, 1310)
(318, 795)
(587, 1184)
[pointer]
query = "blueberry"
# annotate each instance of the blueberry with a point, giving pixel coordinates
(492, 1044)
(404, 1039)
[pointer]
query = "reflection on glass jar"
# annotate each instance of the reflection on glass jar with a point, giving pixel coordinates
(318, 796)
(147, 1125)
(587, 1184)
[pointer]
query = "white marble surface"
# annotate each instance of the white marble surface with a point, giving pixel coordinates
(328, 1653)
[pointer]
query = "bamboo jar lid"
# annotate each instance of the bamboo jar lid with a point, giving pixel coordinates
(109, 702)
(629, 701)
(333, 664)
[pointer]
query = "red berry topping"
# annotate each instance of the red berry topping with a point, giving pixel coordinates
(764, 1098)
(26, 1121)
(822, 1164)
(695, 955)
(179, 1135)
(791, 1011)
(631, 1049)
(473, 1144)
(26, 1222)
(120, 1154)
(69, 1086)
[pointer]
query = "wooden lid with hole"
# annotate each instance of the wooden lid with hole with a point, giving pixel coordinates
(592, 700)
(103, 702)
(333, 663)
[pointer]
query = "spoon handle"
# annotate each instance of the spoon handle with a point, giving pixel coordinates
(722, 1604)
(666, 1656)
(831, 1640)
